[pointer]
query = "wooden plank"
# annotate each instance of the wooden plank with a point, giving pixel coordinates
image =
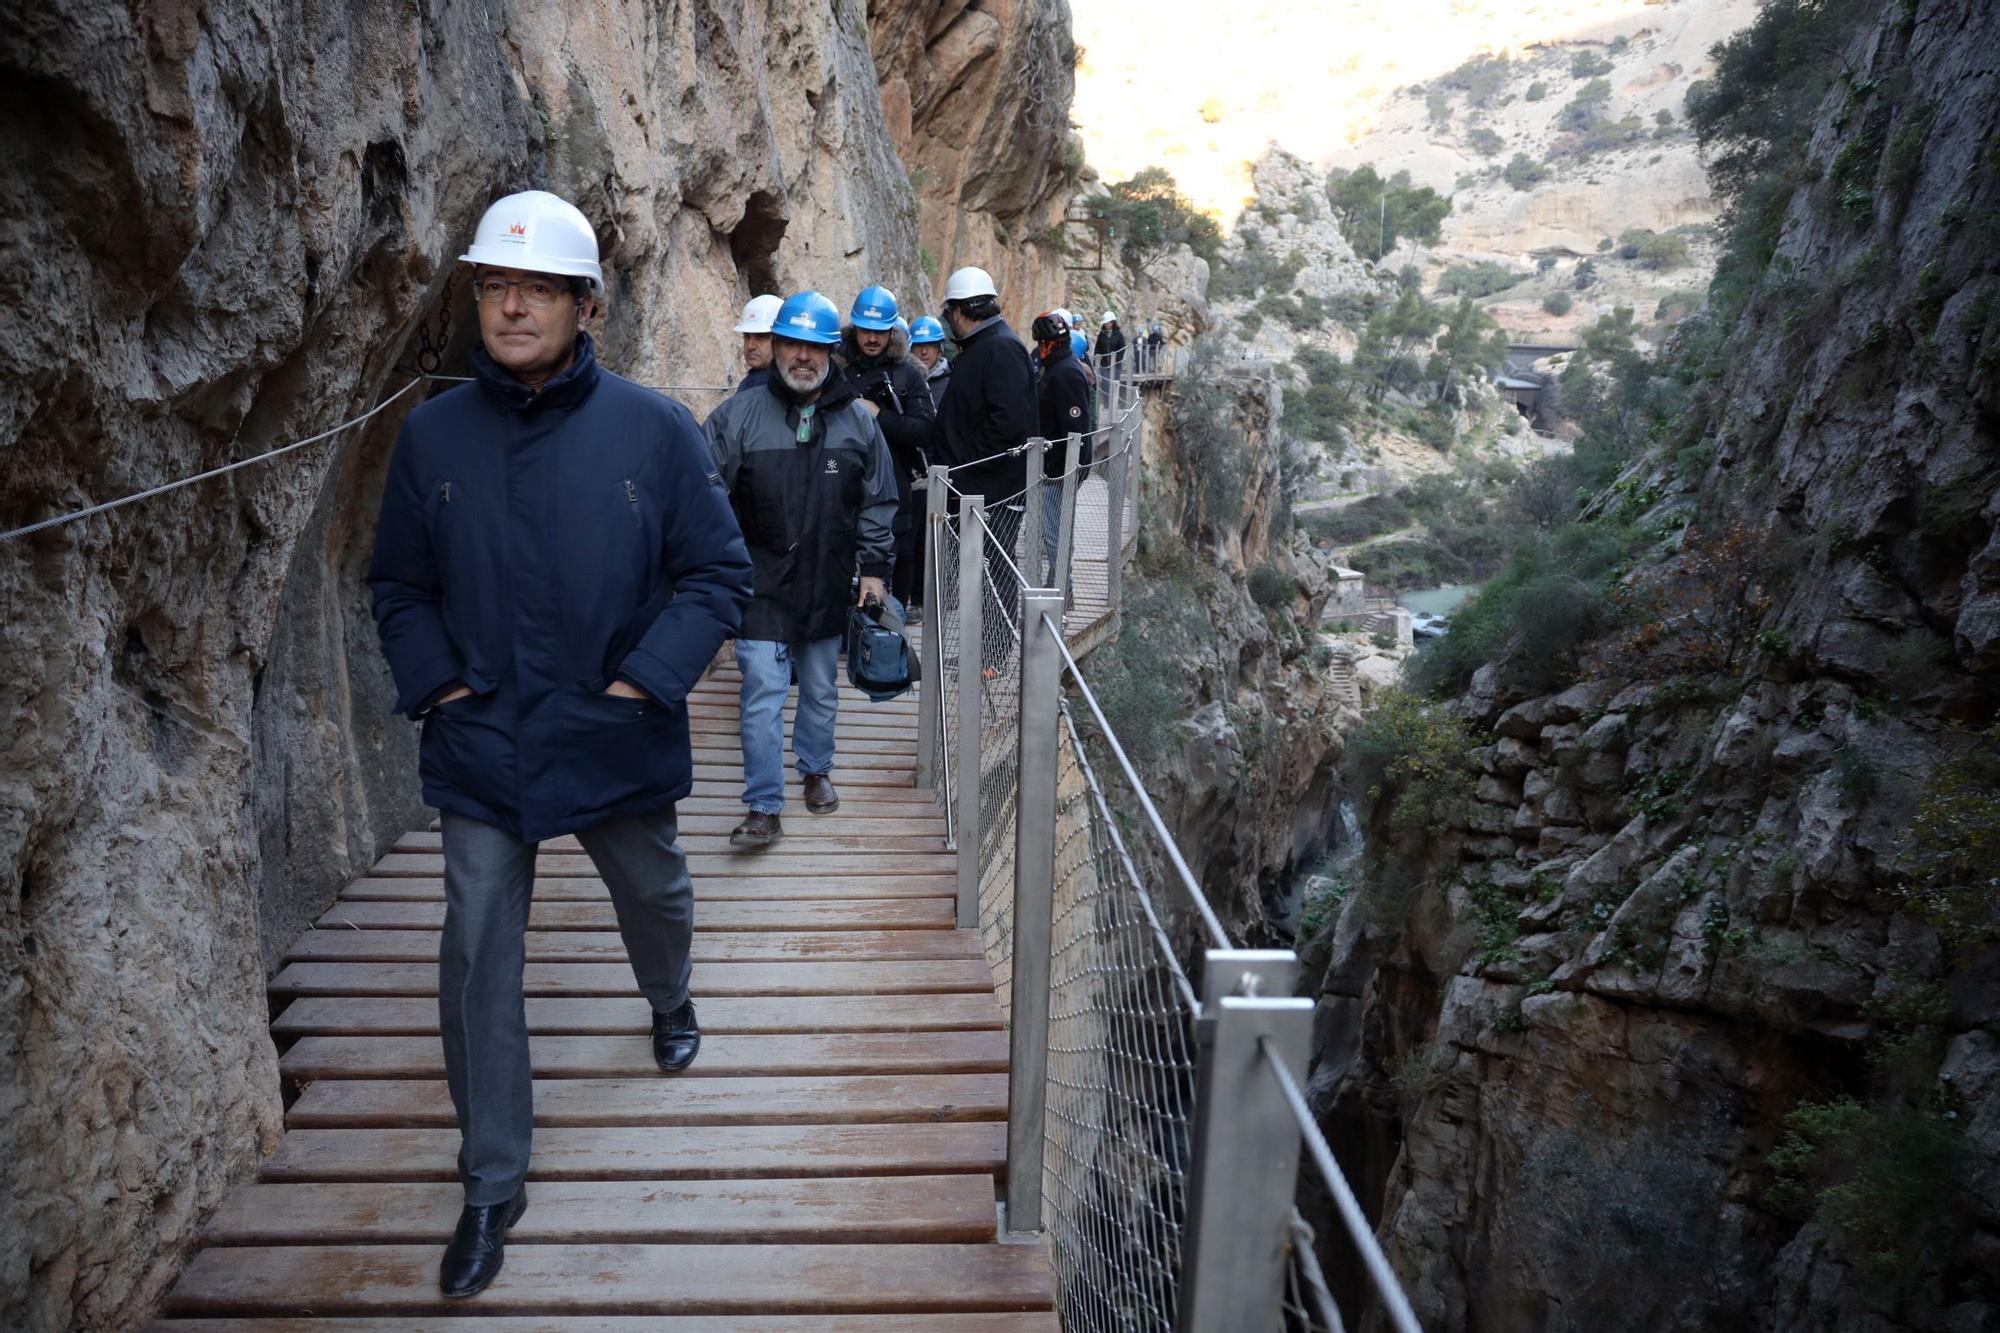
(805, 835)
(708, 889)
(764, 1054)
(849, 760)
(690, 1153)
(865, 914)
(331, 1015)
(585, 946)
(729, 773)
(764, 863)
(836, 828)
(726, 798)
(653, 1100)
(1039, 1321)
(621, 1279)
(873, 1210)
(710, 979)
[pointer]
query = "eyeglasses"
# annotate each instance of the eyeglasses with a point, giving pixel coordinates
(536, 293)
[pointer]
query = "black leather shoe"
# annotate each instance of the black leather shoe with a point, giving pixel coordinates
(821, 798)
(676, 1038)
(757, 830)
(477, 1248)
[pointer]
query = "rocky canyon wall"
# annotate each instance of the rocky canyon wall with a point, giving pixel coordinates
(223, 228)
(976, 94)
(1567, 1032)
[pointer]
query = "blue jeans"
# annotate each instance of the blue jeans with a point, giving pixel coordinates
(767, 679)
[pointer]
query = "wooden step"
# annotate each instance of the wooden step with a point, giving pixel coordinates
(763, 863)
(707, 889)
(864, 914)
(876, 803)
(928, 822)
(1042, 1321)
(681, 1100)
(621, 1279)
(728, 769)
(849, 763)
(765, 1054)
(689, 1153)
(804, 836)
(879, 1210)
(334, 1015)
(710, 979)
(585, 946)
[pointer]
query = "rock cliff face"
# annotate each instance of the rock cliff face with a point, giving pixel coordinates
(1673, 908)
(225, 228)
(976, 94)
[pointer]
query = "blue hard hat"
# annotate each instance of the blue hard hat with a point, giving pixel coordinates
(903, 326)
(874, 309)
(924, 329)
(807, 317)
(1079, 344)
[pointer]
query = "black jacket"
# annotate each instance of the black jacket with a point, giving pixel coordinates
(810, 512)
(1063, 395)
(898, 387)
(533, 547)
(989, 411)
(1110, 341)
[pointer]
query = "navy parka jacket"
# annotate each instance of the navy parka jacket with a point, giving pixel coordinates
(534, 547)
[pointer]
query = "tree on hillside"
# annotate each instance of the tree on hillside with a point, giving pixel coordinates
(1385, 358)
(1375, 214)
(1471, 344)
(1149, 217)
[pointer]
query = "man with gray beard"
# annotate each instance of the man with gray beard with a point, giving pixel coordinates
(813, 485)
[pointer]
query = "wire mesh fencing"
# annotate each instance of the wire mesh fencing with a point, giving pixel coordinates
(1121, 1072)
(999, 743)
(943, 620)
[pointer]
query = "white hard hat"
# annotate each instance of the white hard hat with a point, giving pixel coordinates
(1110, 317)
(759, 315)
(967, 283)
(539, 232)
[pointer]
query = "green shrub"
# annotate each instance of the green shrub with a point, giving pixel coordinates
(1586, 108)
(1888, 1183)
(1409, 763)
(1588, 65)
(1534, 617)
(1271, 586)
(1368, 517)
(1321, 907)
(1421, 1071)
(1951, 849)
(1437, 103)
(1537, 91)
(1480, 78)
(1523, 173)
(1663, 252)
(1485, 142)
(1479, 279)
(1558, 303)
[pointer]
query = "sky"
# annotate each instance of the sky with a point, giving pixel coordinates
(1201, 86)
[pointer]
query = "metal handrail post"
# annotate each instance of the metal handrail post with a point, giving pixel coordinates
(1066, 515)
(930, 653)
(1034, 905)
(1245, 1162)
(971, 644)
(1114, 519)
(1031, 503)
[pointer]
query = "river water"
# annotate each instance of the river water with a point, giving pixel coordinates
(1438, 601)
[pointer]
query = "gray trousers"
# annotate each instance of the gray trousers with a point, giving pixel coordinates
(489, 879)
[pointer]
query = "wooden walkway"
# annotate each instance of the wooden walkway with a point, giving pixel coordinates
(828, 1163)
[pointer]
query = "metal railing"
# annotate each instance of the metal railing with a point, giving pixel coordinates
(1155, 1125)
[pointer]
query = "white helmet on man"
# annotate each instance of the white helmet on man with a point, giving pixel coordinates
(759, 314)
(539, 232)
(1110, 317)
(967, 283)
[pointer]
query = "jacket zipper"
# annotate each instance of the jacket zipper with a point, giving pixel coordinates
(631, 493)
(444, 493)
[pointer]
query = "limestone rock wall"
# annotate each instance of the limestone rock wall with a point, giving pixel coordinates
(976, 94)
(1665, 917)
(225, 225)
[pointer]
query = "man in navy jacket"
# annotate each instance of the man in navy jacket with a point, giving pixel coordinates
(555, 566)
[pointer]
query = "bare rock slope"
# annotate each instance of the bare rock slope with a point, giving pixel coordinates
(224, 227)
